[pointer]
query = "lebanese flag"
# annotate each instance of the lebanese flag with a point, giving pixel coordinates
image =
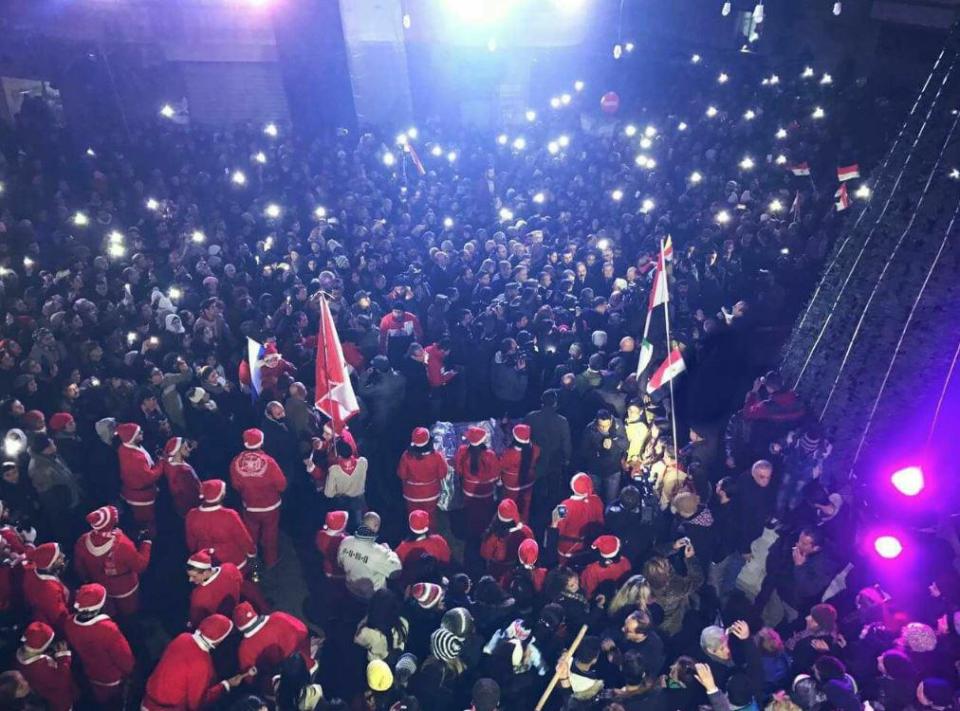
(334, 395)
(417, 163)
(843, 199)
(668, 370)
(848, 172)
(668, 249)
(659, 294)
(800, 169)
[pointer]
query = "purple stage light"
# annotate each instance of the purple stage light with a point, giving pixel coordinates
(888, 547)
(909, 481)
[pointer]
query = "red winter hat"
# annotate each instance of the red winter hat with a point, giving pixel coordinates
(44, 555)
(37, 637)
(201, 560)
(419, 521)
(60, 420)
(608, 546)
(528, 552)
(427, 595)
(507, 511)
(212, 491)
(253, 438)
(269, 349)
(172, 446)
(581, 485)
(476, 436)
(420, 437)
(244, 616)
(103, 518)
(215, 628)
(127, 431)
(335, 521)
(90, 597)
(521, 433)
(34, 420)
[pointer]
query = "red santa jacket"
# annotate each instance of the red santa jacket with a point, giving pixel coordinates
(537, 576)
(219, 593)
(47, 597)
(409, 551)
(14, 540)
(183, 680)
(510, 468)
(596, 574)
(270, 375)
(501, 549)
(583, 515)
(479, 485)
(222, 529)
(138, 475)
(407, 325)
(184, 486)
(259, 480)
(422, 476)
(329, 545)
(436, 375)
(112, 560)
(274, 638)
(50, 677)
(104, 652)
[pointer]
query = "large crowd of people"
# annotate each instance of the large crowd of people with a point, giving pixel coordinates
(515, 505)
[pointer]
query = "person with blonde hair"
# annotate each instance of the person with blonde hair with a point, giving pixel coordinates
(634, 594)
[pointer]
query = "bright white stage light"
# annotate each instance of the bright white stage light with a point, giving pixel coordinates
(531, 115)
(553, 148)
(630, 130)
(564, 141)
(436, 151)
(520, 143)
(578, 85)
(389, 159)
(501, 139)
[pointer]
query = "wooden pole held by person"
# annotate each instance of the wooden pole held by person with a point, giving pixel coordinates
(545, 696)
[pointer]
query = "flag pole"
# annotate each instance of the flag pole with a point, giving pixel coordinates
(666, 319)
(322, 346)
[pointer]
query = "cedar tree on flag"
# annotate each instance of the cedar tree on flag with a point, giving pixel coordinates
(848, 172)
(659, 294)
(843, 199)
(800, 169)
(668, 370)
(334, 394)
(417, 163)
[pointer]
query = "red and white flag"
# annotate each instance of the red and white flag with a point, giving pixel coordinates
(795, 207)
(800, 169)
(848, 172)
(668, 249)
(843, 198)
(668, 370)
(417, 163)
(660, 293)
(334, 394)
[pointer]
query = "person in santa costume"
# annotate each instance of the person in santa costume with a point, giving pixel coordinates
(260, 482)
(479, 472)
(612, 567)
(216, 587)
(49, 675)
(527, 554)
(46, 596)
(213, 525)
(272, 368)
(422, 470)
(268, 640)
(502, 539)
(420, 544)
(20, 540)
(577, 519)
(328, 543)
(184, 678)
(182, 480)
(518, 463)
(138, 476)
(103, 650)
(105, 555)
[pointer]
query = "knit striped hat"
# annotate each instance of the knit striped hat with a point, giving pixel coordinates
(445, 645)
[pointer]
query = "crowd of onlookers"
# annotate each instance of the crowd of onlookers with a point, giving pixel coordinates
(691, 544)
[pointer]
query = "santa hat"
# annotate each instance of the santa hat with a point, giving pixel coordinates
(127, 431)
(253, 438)
(607, 546)
(521, 433)
(103, 518)
(335, 521)
(37, 637)
(427, 595)
(172, 446)
(476, 436)
(508, 512)
(420, 437)
(581, 485)
(201, 560)
(44, 555)
(33, 420)
(60, 420)
(244, 616)
(212, 491)
(270, 349)
(528, 552)
(419, 521)
(215, 628)
(90, 597)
